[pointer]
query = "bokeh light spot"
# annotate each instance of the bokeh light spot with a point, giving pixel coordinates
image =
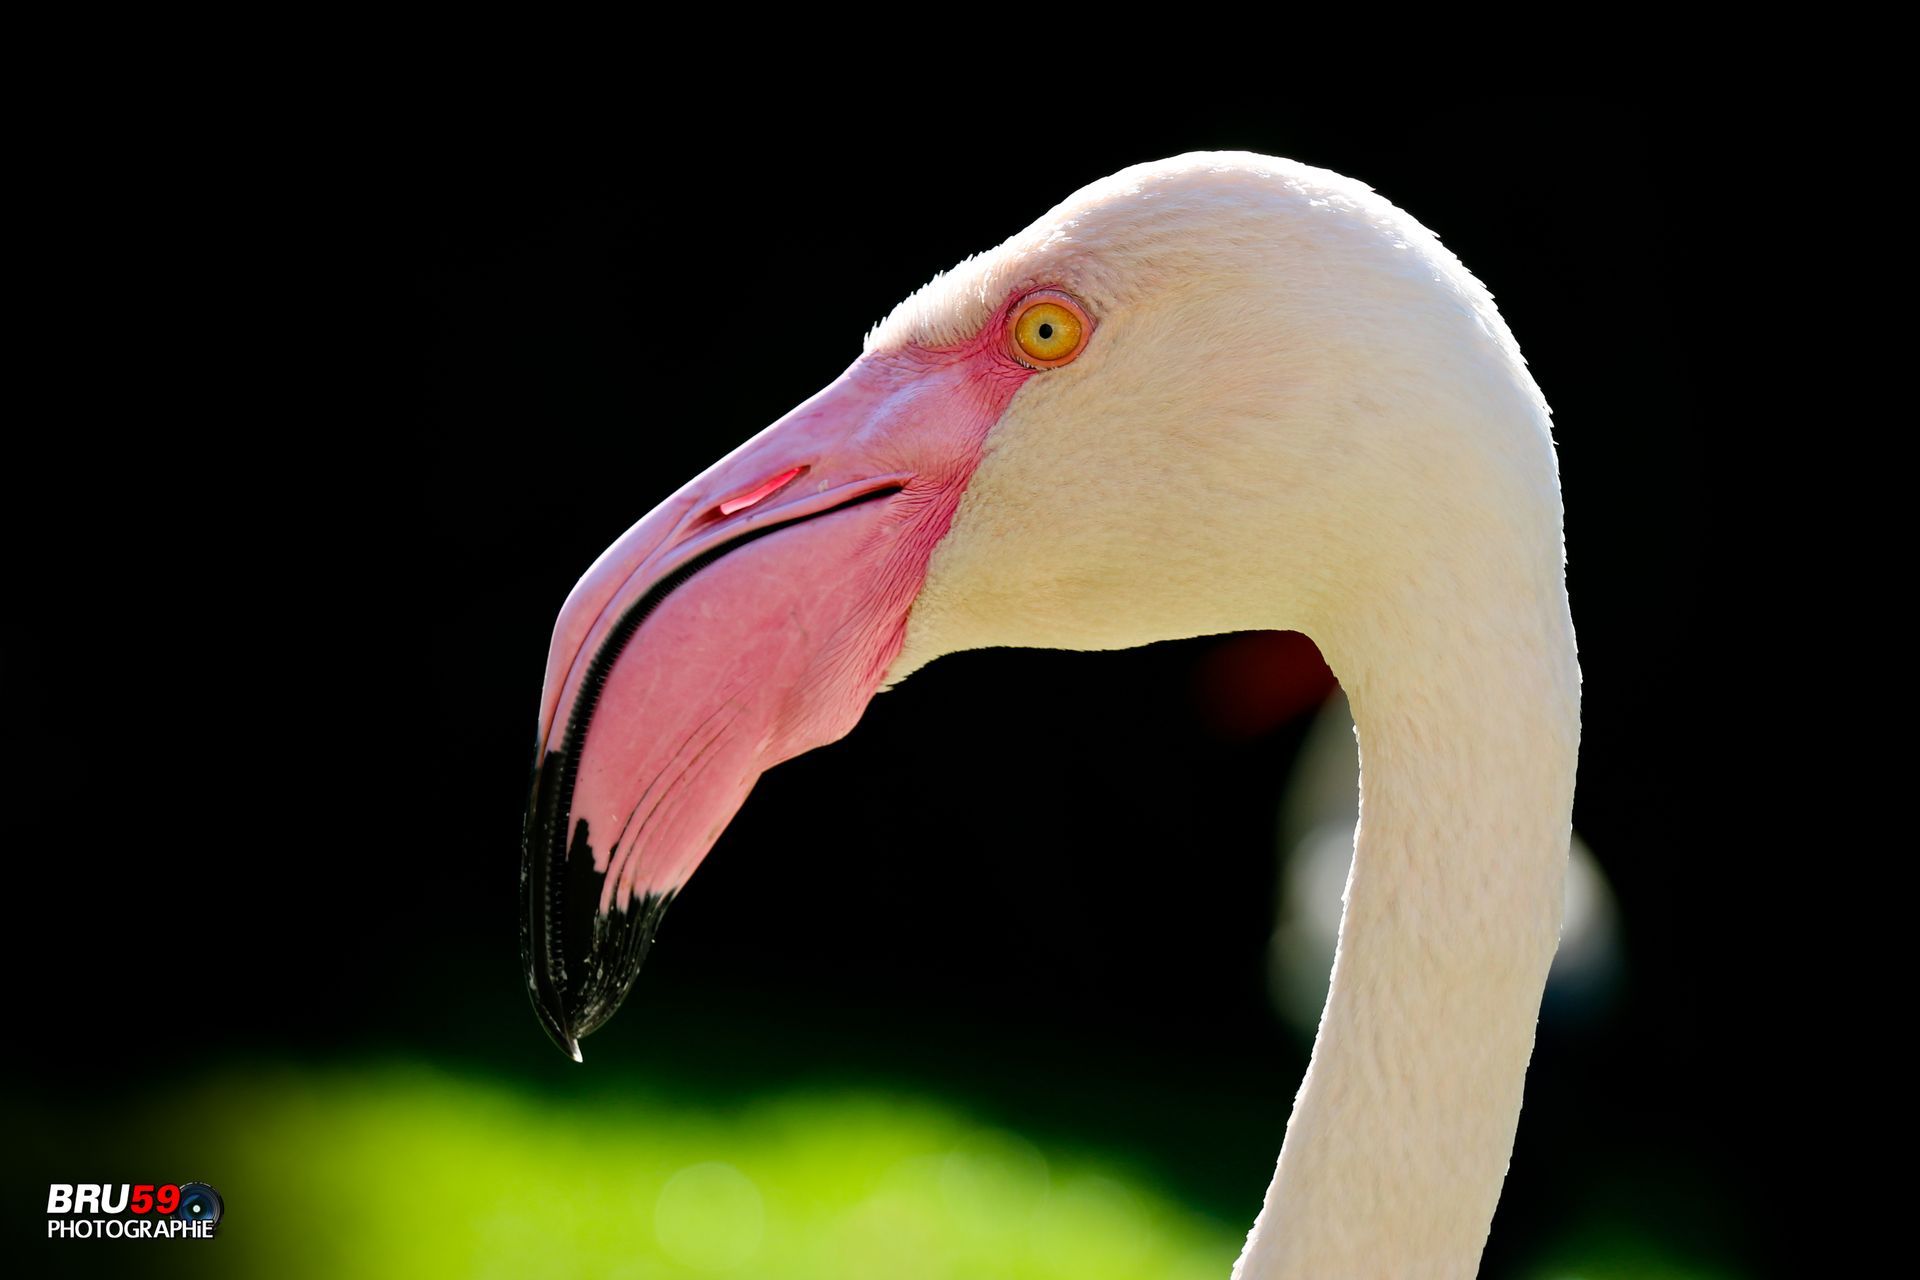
(710, 1216)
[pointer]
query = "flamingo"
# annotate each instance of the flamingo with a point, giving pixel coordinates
(1219, 392)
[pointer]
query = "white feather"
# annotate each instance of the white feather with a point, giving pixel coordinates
(1299, 411)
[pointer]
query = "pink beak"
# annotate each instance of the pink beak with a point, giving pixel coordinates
(747, 619)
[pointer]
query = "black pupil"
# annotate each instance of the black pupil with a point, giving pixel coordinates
(1046, 332)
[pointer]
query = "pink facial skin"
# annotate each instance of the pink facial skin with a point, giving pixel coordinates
(767, 651)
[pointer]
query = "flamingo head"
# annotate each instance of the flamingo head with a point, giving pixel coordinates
(1175, 405)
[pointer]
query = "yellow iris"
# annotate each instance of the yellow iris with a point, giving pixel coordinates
(1047, 331)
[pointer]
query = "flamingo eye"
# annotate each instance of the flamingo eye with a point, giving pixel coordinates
(1048, 329)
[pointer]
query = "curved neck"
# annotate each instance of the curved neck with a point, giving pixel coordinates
(1467, 708)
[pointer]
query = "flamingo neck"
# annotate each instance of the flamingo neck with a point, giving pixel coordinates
(1467, 706)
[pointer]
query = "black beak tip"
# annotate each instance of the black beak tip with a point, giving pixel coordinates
(579, 961)
(556, 1029)
(574, 994)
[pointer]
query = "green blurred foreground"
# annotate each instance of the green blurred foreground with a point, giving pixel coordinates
(407, 1171)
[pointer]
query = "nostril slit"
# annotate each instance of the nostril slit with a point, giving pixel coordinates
(761, 492)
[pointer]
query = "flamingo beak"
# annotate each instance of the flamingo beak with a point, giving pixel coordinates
(747, 619)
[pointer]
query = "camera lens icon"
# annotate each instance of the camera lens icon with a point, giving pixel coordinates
(199, 1203)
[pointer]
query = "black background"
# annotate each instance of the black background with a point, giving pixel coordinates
(338, 432)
